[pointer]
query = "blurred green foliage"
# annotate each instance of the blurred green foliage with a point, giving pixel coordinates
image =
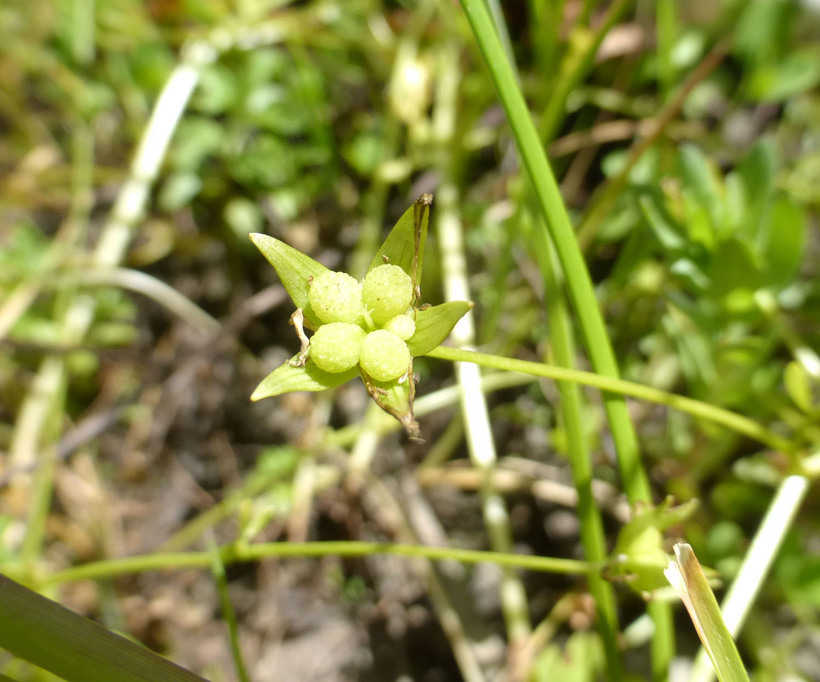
(706, 265)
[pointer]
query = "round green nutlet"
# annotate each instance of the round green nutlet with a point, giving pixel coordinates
(336, 297)
(384, 356)
(387, 291)
(336, 347)
(402, 326)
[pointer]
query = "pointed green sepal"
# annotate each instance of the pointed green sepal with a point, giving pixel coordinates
(309, 377)
(404, 245)
(433, 325)
(294, 268)
(396, 398)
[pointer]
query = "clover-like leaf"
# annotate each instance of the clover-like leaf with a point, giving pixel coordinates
(404, 245)
(309, 377)
(433, 325)
(294, 268)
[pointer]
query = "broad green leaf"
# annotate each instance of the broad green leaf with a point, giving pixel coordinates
(661, 224)
(699, 225)
(694, 345)
(737, 202)
(691, 273)
(244, 216)
(756, 172)
(579, 659)
(701, 183)
(777, 81)
(294, 268)
(787, 238)
(287, 378)
(734, 266)
(798, 385)
(685, 574)
(196, 139)
(178, 191)
(755, 175)
(762, 31)
(798, 572)
(404, 245)
(433, 325)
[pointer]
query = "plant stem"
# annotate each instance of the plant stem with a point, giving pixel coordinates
(696, 408)
(231, 554)
(666, 29)
(39, 405)
(571, 410)
(228, 613)
(382, 501)
(579, 285)
(253, 486)
(557, 220)
(143, 283)
(37, 426)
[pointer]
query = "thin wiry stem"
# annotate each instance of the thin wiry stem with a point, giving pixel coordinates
(243, 552)
(756, 564)
(696, 408)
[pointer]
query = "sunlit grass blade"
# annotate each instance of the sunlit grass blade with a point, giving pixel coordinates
(687, 577)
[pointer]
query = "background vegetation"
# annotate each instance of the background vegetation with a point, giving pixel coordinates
(136, 318)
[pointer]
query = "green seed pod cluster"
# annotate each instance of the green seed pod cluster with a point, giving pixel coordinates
(336, 347)
(336, 297)
(384, 356)
(387, 291)
(350, 311)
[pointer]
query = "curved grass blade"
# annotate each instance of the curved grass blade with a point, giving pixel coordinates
(686, 576)
(75, 648)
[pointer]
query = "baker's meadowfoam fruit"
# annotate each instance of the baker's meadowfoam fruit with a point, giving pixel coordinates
(384, 355)
(336, 347)
(402, 326)
(336, 297)
(387, 291)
